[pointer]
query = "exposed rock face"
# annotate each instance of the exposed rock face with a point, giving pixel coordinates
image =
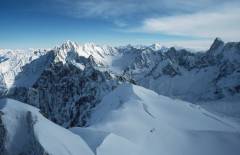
(67, 90)
(66, 94)
(2, 136)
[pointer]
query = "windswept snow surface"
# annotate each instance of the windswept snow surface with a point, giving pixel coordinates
(28, 132)
(139, 121)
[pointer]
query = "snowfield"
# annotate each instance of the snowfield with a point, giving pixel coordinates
(130, 120)
(140, 121)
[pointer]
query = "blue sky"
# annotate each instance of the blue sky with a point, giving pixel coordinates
(188, 23)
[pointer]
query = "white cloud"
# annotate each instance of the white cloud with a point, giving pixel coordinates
(132, 8)
(224, 23)
(198, 45)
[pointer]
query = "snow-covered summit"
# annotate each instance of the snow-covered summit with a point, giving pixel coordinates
(69, 51)
(69, 44)
(157, 46)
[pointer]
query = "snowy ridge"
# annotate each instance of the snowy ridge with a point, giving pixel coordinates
(139, 120)
(130, 120)
(26, 131)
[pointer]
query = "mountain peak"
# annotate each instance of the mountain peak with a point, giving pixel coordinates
(67, 50)
(156, 46)
(217, 43)
(69, 44)
(218, 39)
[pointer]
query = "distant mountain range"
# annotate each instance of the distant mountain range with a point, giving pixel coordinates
(70, 84)
(73, 73)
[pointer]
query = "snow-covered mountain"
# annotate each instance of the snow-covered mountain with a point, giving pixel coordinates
(90, 86)
(72, 81)
(73, 75)
(190, 76)
(129, 120)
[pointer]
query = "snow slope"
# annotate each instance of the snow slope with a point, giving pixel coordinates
(22, 68)
(143, 122)
(25, 131)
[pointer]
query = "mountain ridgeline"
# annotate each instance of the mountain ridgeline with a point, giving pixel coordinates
(67, 82)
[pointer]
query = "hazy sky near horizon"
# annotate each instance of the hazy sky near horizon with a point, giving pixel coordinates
(187, 23)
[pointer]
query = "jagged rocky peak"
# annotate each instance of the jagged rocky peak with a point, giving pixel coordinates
(217, 45)
(69, 45)
(221, 52)
(70, 51)
(66, 51)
